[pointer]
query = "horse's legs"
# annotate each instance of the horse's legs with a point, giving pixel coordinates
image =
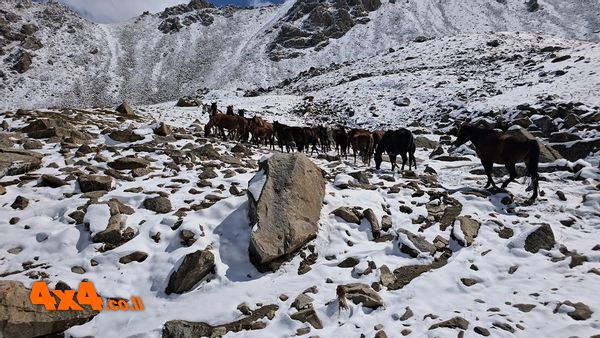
(488, 166)
(404, 161)
(512, 174)
(412, 159)
(393, 161)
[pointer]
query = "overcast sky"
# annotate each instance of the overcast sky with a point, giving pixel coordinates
(106, 11)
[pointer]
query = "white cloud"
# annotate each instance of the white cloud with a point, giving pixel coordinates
(118, 10)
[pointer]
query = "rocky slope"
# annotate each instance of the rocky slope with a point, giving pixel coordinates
(52, 57)
(143, 204)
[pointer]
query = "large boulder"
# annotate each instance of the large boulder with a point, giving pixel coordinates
(125, 109)
(285, 199)
(540, 238)
(19, 318)
(547, 153)
(16, 162)
(89, 183)
(128, 163)
(193, 269)
(578, 150)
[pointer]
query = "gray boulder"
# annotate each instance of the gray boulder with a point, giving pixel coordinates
(17, 162)
(285, 200)
(540, 238)
(193, 269)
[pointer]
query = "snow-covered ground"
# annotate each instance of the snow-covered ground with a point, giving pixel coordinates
(46, 235)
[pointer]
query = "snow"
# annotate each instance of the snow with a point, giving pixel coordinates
(256, 184)
(97, 217)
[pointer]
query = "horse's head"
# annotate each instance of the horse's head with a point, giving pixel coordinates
(463, 134)
(229, 110)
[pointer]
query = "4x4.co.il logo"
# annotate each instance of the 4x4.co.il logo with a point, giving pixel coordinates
(73, 300)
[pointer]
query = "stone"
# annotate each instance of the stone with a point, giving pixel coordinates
(285, 199)
(194, 267)
(308, 315)
(125, 109)
(466, 231)
(547, 153)
(360, 293)
(2, 190)
(386, 277)
(163, 130)
(408, 313)
(468, 281)
(17, 162)
(136, 256)
(32, 144)
(578, 150)
(481, 331)
(346, 214)
(414, 245)
(128, 163)
(302, 301)
(349, 262)
(19, 318)
(124, 136)
(425, 143)
(160, 205)
(52, 181)
(540, 238)
(20, 203)
(386, 222)
(453, 323)
(91, 183)
(581, 311)
(184, 329)
(503, 326)
(369, 214)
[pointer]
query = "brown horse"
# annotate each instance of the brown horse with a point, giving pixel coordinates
(502, 148)
(362, 142)
(214, 110)
(235, 124)
(261, 129)
(377, 136)
(287, 135)
(311, 138)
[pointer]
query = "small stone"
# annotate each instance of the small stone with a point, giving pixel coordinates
(482, 331)
(78, 270)
(160, 205)
(20, 203)
(408, 313)
(349, 262)
(136, 256)
(453, 323)
(468, 281)
(346, 214)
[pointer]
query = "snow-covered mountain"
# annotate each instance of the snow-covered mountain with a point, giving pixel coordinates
(53, 57)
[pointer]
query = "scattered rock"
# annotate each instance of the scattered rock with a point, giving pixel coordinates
(125, 109)
(362, 293)
(91, 183)
(349, 262)
(453, 323)
(580, 312)
(160, 205)
(20, 203)
(346, 214)
(541, 238)
(193, 269)
(128, 163)
(414, 245)
(136, 256)
(467, 230)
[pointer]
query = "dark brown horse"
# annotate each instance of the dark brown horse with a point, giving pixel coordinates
(311, 138)
(377, 135)
(214, 110)
(342, 141)
(502, 148)
(397, 142)
(235, 124)
(288, 136)
(362, 143)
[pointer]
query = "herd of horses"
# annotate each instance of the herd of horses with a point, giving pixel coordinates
(492, 146)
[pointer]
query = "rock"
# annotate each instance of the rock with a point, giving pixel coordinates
(241, 149)
(125, 109)
(128, 163)
(563, 137)
(408, 313)
(349, 262)
(386, 277)
(78, 270)
(503, 326)
(541, 238)
(545, 124)
(481, 331)
(402, 102)
(32, 144)
(579, 149)
(126, 135)
(414, 245)
(302, 301)
(424, 142)
(19, 318)
(52, 181)
(581, 311)
(346, 214)
(163, 130)
(468, 281)
(386, 222)
(160, 205)
(453, 323)
(187, 102)
(2, 190)
(380, 334)
(207, 151)
(193, 269)
(547, 153)
(572, 120)
(184, 329)
(136, 256)
(24, 62)
(208, 173)
(369, 214)
(17, 162)
(493, 43)
(362, 293)
(466, 231)
(308, 315)
(20, 203)
(524, 307)
(285, 200)
(90, 183)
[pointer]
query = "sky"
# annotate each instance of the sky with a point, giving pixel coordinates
(107, 11)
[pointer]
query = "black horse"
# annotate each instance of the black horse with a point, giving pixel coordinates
(397, 142)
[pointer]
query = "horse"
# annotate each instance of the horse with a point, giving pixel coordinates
(362, 142)
(499, 147)
(229, 110)
(311, 138)
(342, 141)
(396, 142)
(287, 135)
(261, 129)
(325, 137)
(214, 110)
(377, 135)
(235, 124)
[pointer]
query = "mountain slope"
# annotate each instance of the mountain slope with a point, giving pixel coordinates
(83, 63)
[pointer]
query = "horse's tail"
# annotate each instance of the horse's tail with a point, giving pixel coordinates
(412, 147)
(534, 159)
(532, 166)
